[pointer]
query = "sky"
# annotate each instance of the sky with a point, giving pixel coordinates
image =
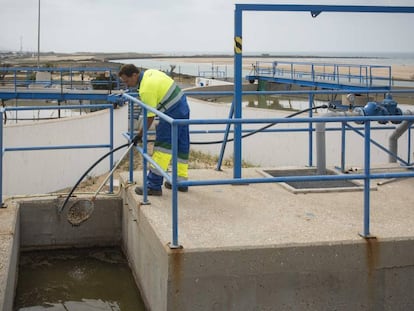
(198, 26)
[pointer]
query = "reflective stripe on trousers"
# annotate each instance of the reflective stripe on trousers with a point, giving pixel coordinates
(162, 154)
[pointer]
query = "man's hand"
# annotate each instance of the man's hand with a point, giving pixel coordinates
(137, 139)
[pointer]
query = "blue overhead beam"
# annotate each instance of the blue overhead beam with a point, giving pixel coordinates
(6, 95)
(324, 8)
(315, 10)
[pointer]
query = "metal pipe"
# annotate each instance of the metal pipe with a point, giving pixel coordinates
(320, 148)
(393, 140)
(321, 142)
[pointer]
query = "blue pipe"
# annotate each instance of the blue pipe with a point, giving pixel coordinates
(131, 135)
(144, 150)
(225, 138)
(237, 91)
(307, 178)
(111, 147)
(343, 144)
(367, 166)
(24, 108)
(56, 147)
(174, 140)
(310, 132)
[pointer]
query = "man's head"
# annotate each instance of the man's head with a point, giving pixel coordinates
(129, 74)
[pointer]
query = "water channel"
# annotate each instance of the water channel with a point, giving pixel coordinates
(76, 279)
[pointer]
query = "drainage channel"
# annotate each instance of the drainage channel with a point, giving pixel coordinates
(312, 186)
(76, 279)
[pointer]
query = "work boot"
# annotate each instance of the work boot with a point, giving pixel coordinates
(140, 191)
(180, 188)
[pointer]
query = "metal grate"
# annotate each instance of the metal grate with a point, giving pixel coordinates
(312, 186)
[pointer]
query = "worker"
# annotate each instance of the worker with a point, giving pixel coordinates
(158, 90)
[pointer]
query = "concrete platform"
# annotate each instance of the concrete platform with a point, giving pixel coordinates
(261, 247)
(246, 247)
(268, 214)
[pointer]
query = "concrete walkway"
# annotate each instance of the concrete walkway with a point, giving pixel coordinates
(267, 214)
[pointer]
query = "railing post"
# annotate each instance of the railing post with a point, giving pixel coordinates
(237, 91)
(144, 151)
(310, 133)
(313, 73)
(367, 168)
(131, 136)
(111, 147)
(174, 140)
(15, 81)
(370, 76)
(343, 139)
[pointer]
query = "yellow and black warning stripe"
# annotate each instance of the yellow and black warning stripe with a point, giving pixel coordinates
(238, 45)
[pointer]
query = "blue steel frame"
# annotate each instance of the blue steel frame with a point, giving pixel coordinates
(314, 10)
(366, 176)
(175, 123)
(237, 121)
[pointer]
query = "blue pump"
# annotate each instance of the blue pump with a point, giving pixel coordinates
(387, 107)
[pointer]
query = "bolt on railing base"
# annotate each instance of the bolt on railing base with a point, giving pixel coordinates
(172, 246)
(368, 237)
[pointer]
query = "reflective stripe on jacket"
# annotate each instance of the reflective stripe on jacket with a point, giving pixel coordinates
(158, 90)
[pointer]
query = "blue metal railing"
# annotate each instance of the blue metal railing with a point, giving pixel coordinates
(23, 77)
(235, 119)
(4, 149)
(331, 74)
(172, 178)
(230, 121)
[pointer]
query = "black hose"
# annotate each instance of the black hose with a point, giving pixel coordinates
(192, 143)
(86, 173)
(258, 130)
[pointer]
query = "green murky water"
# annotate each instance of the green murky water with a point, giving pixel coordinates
(81, 280)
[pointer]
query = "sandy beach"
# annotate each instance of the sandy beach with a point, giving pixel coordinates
(403, 72)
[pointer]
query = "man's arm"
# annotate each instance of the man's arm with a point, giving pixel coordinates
(149, 123)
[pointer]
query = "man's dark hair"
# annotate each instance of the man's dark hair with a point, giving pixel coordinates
(128, 70)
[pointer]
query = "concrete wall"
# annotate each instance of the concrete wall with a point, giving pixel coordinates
(35, 224)
(24, 171)
(353, 275)
(9, 250)
(43, 227)
(146, 255)
(350, 276)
